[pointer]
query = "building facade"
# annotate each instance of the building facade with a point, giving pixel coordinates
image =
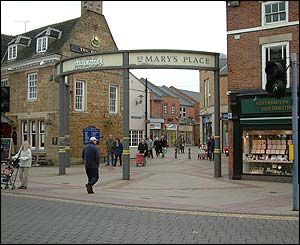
(207, 117)
(96, 98)
(260, 132)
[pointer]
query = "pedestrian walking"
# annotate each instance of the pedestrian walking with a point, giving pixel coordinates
(211, 148)
(118, 151)
(110, 150)
(25, 156)
(162, 146)
(143, 148)
(156, 146)
(149, 142)
(91, 158)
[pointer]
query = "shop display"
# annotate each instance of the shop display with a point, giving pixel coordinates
(267, 154)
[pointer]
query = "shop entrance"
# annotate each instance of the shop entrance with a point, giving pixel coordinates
(126, 60)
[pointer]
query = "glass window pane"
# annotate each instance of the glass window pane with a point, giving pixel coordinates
(281, 6)
(282, 16)
(268, 18)
(275, 17)
(268, 9)
(275, 7)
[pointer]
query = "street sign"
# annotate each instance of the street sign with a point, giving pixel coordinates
(91, 132)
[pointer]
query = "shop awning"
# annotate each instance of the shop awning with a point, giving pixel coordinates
(266, 121)
(5, 119)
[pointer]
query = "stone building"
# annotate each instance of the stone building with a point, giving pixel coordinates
(28, 68)
(207, 104)
(260, 132)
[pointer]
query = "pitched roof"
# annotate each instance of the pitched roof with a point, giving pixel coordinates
(192, 94)
(182, 100)
(5, 39)
(53, 47)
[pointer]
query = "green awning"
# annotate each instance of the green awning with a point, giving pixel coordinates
(266, 121)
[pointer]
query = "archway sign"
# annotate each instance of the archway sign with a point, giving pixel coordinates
(133, 59)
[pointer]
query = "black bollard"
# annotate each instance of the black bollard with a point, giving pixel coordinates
(189, 153)
(176, 153)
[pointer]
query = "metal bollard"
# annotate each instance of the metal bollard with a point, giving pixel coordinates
(176, 153)
(189, 153)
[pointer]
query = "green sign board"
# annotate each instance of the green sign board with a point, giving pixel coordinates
(266, 105)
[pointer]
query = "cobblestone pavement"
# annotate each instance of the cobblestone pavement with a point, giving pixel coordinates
(32, 220)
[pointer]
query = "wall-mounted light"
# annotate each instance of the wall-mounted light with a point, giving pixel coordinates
(139, 99)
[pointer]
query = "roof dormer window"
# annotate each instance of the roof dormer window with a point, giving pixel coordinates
(12, 52)
(41, 44)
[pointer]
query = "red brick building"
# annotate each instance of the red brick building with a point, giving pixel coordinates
(260, 131)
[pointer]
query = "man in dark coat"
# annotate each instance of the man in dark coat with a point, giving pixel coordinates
(91, 158)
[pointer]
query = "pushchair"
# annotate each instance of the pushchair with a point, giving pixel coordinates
(140, 159)
(9, 175)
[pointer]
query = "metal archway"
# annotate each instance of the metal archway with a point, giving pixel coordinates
(133, 59)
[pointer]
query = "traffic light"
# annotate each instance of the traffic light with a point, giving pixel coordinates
(276, 78)
(5, 96)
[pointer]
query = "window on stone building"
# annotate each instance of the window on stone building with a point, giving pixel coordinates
(206, 93)
(4, 82)
(41, 44)
(274, 52)
(12, 52)
(173, 110)
(24, 131)
(32, 86)
(275, 12)
(79, 95)
(34, 132)
(41, 134)
(165, 108)
(135, 137)
(113, 99)
(182, 112)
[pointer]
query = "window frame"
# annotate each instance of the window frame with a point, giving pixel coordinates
(35, 88)
(264, 59)
(165, 109)
(83, 95)
(11, 55)
(263, 14)
(173, 110)
(116, 104)
(40, 47)
(41, 133)
(182, 111)
(140, 136)
(206, 92)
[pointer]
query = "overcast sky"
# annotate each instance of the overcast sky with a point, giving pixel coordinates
(185, 25)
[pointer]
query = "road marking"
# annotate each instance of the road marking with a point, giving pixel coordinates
(161, 210)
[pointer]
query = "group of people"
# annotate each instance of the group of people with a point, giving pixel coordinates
(114, 149)
(91, 156)
(146, 146)
(209, 148)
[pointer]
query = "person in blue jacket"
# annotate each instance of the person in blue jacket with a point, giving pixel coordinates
(118, 150)
(91, 158)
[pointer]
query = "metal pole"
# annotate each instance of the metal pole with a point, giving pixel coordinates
(217, 151)
(146, 108)
(295, 132)
(126, 153)
(67, 122)
(61, 146)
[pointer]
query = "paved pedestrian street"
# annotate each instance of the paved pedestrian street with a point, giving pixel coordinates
(42, 220)
(167, 201)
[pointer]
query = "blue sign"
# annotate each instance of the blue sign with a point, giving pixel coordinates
(91, 132)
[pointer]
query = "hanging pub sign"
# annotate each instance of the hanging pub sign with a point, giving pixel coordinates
(89, 132)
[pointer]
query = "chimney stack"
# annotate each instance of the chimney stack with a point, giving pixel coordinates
(94, 6)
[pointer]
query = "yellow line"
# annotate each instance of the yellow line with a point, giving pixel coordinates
(161, 210)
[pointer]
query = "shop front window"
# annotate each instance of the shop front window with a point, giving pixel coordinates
(266, 152)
